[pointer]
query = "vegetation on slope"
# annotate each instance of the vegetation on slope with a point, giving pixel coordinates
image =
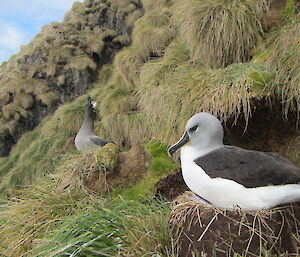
(60, 63)
(80, 224)
(221, 32)
(284, 57)
(150, 90)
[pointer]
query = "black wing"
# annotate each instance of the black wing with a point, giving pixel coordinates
(249, 168)
(99, 141)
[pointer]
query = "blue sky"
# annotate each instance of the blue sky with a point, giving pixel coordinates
(21, 20)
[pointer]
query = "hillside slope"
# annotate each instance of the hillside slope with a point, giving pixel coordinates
(236, 59)
(156, 83)
(60, 64)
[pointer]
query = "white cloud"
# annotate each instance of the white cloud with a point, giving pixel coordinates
(11, 36)
(38, 10)
(11, 39)
(20, 20)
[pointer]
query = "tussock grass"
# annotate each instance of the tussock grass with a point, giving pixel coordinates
(152, 33)
(121, 228)
(33, 211)
(88, 171)
(172, 90)
(81, 63)
(126, 129)
(105, 74)
(117, 100)
(128, 63)
(284, 56)
(39, 221)
(150, 5)
(219, 32)
(16, 99)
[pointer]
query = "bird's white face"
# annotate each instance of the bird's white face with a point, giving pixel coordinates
(204, 130)
(94, 104)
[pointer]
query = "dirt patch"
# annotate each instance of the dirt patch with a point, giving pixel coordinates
(206, 230)
(171, 186)
(266, 131)
(274, 16)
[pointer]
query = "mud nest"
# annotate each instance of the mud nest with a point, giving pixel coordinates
(200, 230)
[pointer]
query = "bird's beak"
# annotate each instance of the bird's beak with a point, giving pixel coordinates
(182, 141)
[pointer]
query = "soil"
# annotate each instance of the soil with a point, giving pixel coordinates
(199, 229)
(171, 186)
(266, 131)
(275, 16)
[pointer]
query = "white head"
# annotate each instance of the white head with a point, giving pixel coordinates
(203, 130)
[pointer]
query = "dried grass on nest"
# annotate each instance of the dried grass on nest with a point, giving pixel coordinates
(90, 170)
(199, 228)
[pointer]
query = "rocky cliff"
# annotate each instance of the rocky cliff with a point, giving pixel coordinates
(61, 63)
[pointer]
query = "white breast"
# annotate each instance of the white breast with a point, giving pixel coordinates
(225, 193)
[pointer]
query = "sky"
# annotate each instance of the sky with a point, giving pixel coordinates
(21, 20)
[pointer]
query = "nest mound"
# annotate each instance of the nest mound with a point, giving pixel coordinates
(200, 230)
(103, 169)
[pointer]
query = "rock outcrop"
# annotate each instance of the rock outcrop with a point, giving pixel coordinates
(60, 63)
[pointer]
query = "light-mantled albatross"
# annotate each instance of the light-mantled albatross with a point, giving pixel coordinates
(232, 177)
(85, 138)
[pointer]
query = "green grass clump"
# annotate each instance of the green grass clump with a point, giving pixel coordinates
(136, 192)
(289, 9)
(120, 228)
(33, 211)
(157, 149)
(91, 233)
(160, 165)
(220, 32)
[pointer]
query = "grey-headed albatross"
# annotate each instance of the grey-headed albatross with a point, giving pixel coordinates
(232, 177)
(85, 138)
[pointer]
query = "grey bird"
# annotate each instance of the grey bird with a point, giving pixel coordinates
(85, 138)
(229, 176)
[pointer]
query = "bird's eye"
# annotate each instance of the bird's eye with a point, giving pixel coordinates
(192, 129)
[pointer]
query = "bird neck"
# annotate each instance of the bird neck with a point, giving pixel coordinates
(88, 123)
(202, 149)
